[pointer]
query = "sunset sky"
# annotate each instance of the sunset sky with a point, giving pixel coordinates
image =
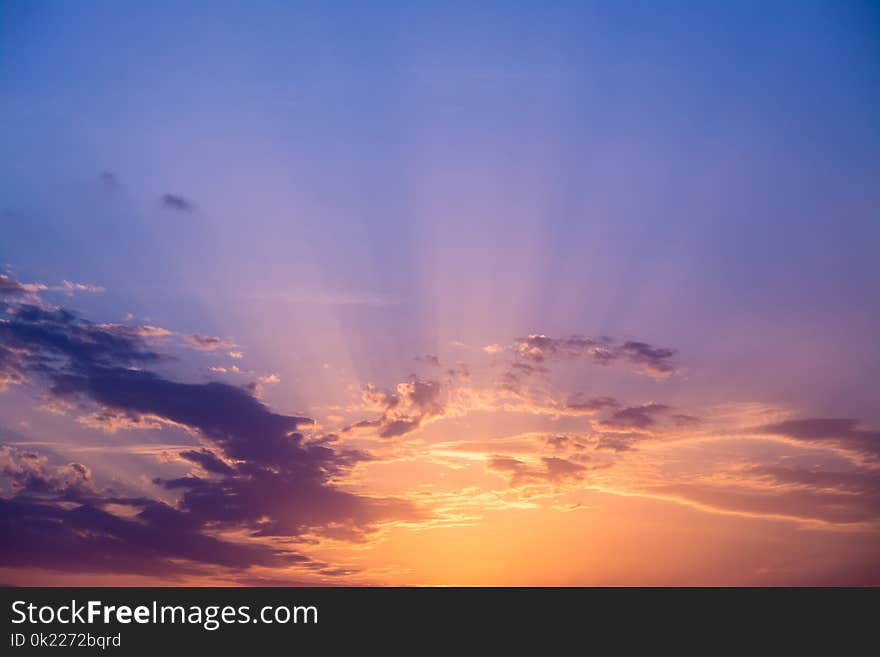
(440, 293)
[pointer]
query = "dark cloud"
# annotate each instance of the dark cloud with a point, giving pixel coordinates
(208, 460)
(653, 359)
(636, 417)
(229, 416)
(591, 405)
(47, 339)
(272, 503)
(158, 540)
(404, 409)
(528, 368)
(263, 475)
(510, 383)
(279, 483)
(392, 428)
(37, 339)
(109, 179)
(57, 520)
(31, 474)
(617, 441)
(558, 442)
(856, 482)
(553, 470)
(12, 367)
(843, 433)
(646, 416)
(538, 348)
(461, 372)
(10, 286)
(177, 203)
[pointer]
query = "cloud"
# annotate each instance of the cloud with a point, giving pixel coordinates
(30, 474)
(139, 331)
(158, 540)
(43, 335)
(58, 519)
(207, 342)
(35, 339)
(10, 286)
(72, 286)
(617, 441)
(654, 360)
(636, 417)
(820, 497)
(461, 372)
(111, 421)
(646, 416)
(562, 442)
(12, 367)
(177, 203)
(208, 460)
(273, 464)
(429, 359)
(109, 179)
(539, 348)
(578, 404)
(857, 482)
(258, 472)
(840, 433)
(552, 470)
(404, 409)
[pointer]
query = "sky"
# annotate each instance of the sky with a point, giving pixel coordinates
(440, 293)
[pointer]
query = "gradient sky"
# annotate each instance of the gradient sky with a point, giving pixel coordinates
(440, 293)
